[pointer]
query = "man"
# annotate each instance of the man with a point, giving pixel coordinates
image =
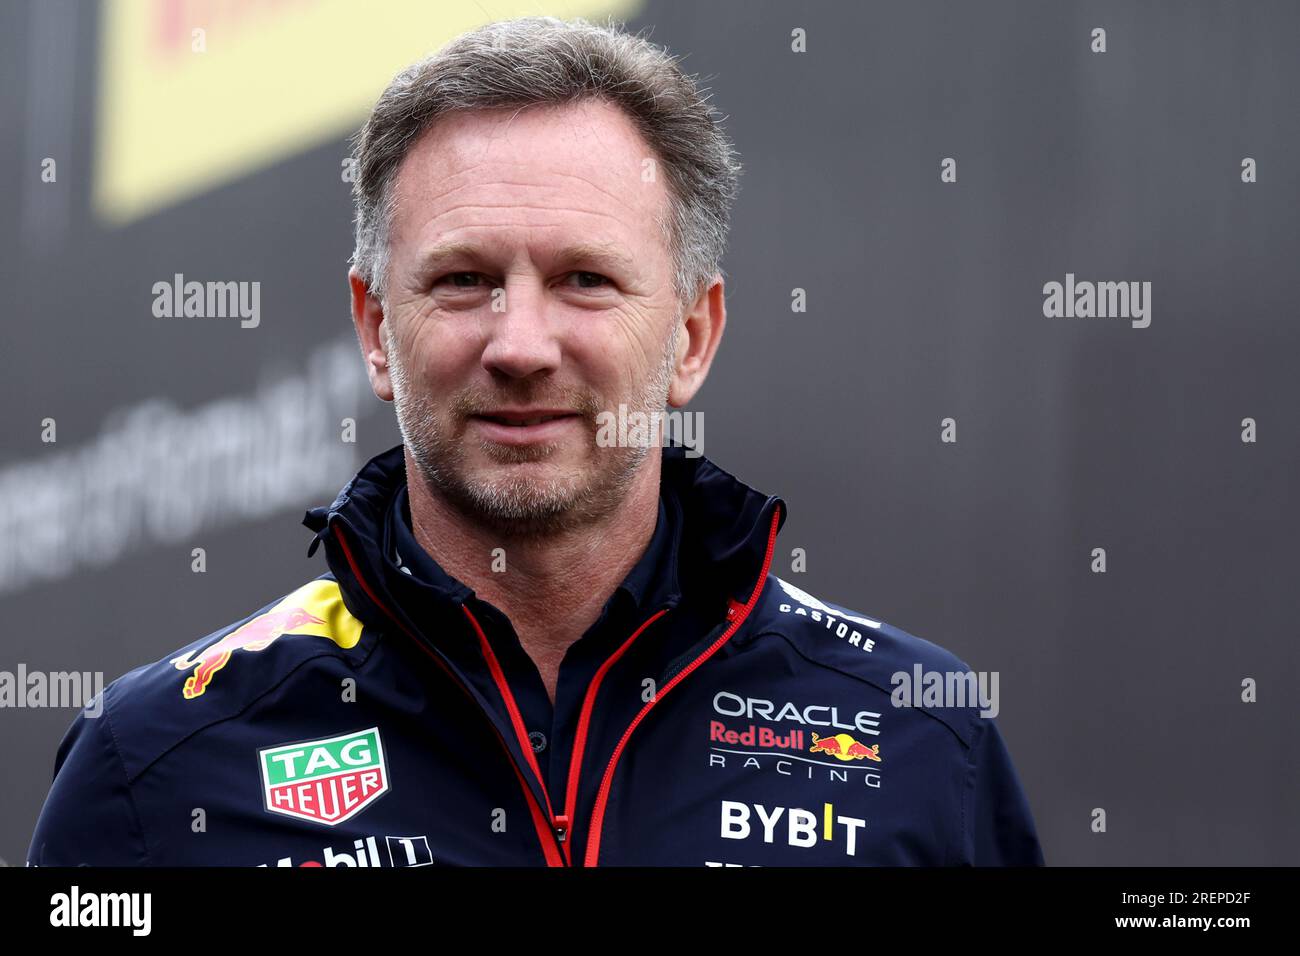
(535, 645)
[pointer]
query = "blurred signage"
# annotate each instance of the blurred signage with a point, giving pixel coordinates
(194, 93)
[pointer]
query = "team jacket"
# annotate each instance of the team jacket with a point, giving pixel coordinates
(383, 715)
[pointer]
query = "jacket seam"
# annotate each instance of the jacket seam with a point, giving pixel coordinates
(239, 713)
(967, 792)
(770, 631)
(126, 777)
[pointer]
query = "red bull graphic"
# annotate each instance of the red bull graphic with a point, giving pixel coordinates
(778, 749)
(754, 736)
(843, 747)
(257, 635)
(315, 610)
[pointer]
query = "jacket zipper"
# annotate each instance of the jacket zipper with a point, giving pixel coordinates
(560, 822)
(584, 720)
(555, 856)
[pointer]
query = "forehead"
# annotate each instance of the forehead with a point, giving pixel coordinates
(579, 166)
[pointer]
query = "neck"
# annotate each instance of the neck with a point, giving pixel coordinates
(537, 591)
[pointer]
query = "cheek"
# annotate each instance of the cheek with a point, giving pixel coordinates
(442, 356)
(605, 365)
(618, 355)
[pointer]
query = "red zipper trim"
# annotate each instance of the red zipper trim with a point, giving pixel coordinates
(737, 619)
(584, 721)
(545, 835)
(521, 732)
(516, 719)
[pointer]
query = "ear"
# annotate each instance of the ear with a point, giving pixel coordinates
(368, 316)
(698, 342)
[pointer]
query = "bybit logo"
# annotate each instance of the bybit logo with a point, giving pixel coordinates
(799, 829)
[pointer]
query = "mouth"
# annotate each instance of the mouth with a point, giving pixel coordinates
(524, 419)
(525, 426)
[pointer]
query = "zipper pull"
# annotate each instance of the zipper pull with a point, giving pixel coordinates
(561, 826)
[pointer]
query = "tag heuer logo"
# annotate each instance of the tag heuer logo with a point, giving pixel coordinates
(325, 781)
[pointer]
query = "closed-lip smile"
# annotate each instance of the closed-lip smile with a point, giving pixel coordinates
(524, 416)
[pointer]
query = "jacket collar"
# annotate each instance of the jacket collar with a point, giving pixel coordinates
(653, 580)
(719, 530)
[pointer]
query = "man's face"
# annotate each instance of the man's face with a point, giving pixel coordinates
(528, 278)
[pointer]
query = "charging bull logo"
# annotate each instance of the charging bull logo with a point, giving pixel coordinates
(843, 747)
(313, 610)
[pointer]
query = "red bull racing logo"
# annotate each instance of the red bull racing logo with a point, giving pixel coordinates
(755, 736)
(785, 750)
(315, 610)
(843, 747)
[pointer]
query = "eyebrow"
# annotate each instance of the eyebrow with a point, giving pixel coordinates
(600, 253)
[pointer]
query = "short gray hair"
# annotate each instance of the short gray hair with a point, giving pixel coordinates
(545, 60)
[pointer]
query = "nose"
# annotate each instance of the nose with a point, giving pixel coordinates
(520, 340)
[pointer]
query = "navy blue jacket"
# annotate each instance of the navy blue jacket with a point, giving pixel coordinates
(383, 715)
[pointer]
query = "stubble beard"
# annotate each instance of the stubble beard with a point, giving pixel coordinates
(518, 503)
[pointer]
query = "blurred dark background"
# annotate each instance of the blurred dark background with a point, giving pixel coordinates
(1119, 690)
